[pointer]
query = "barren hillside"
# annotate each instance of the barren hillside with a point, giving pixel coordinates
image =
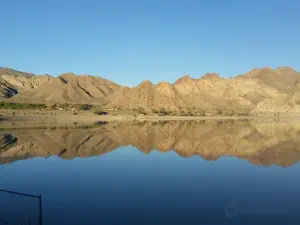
(259, 91)
(66, 88)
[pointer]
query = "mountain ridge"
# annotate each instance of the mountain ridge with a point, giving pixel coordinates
(260, 90)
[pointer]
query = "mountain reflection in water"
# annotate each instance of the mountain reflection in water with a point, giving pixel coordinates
(260, 143)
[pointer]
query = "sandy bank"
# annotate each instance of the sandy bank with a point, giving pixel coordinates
(66, 120)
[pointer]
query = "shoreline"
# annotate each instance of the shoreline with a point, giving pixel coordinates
(44, 121)
(14, 119)
(94, 118)
(91, 116)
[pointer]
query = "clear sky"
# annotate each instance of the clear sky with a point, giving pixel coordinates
(128, 41)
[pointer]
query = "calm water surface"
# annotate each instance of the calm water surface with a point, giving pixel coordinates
(153, 173)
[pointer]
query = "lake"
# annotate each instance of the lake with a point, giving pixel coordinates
(176, 172)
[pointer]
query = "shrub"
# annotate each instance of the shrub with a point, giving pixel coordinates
(52, 107)
(188, 112)
(141, 110)
(200, 113)
(99, 112)
(12, 105)
(219, 112)
(85, 107)
(163, 112)
(155, 111)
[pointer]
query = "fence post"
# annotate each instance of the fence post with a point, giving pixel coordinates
(41, 210)
(27, 195)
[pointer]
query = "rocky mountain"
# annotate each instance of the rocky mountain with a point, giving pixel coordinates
(261, 143)
(12, 72)
(258, 91)
(66, 88)
(262, 90)
(6, 89)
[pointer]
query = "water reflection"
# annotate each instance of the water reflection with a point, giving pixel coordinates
(260, 143)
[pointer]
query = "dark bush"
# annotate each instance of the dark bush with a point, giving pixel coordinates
(12, 105)
(85, 107)
(100, 112)
(163, 112)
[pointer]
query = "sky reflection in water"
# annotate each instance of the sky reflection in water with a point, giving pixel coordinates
(126, 186)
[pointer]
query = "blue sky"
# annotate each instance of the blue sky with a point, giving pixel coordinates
(159, 40)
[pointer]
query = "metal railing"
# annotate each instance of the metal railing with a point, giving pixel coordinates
(39, 197)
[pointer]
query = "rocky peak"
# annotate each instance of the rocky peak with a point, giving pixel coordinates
(12, 72)
(68, 77)
(164, 84)
(145, 84)
(186, 85)
(211, 76)
(285, 69)
(68, 74)
(184, 79)
(255, 72)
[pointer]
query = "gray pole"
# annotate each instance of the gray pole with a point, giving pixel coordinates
(33, 196)
(41, 210)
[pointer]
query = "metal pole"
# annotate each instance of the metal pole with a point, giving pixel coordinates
(41, 210)
(33, 196)
(18, 193)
